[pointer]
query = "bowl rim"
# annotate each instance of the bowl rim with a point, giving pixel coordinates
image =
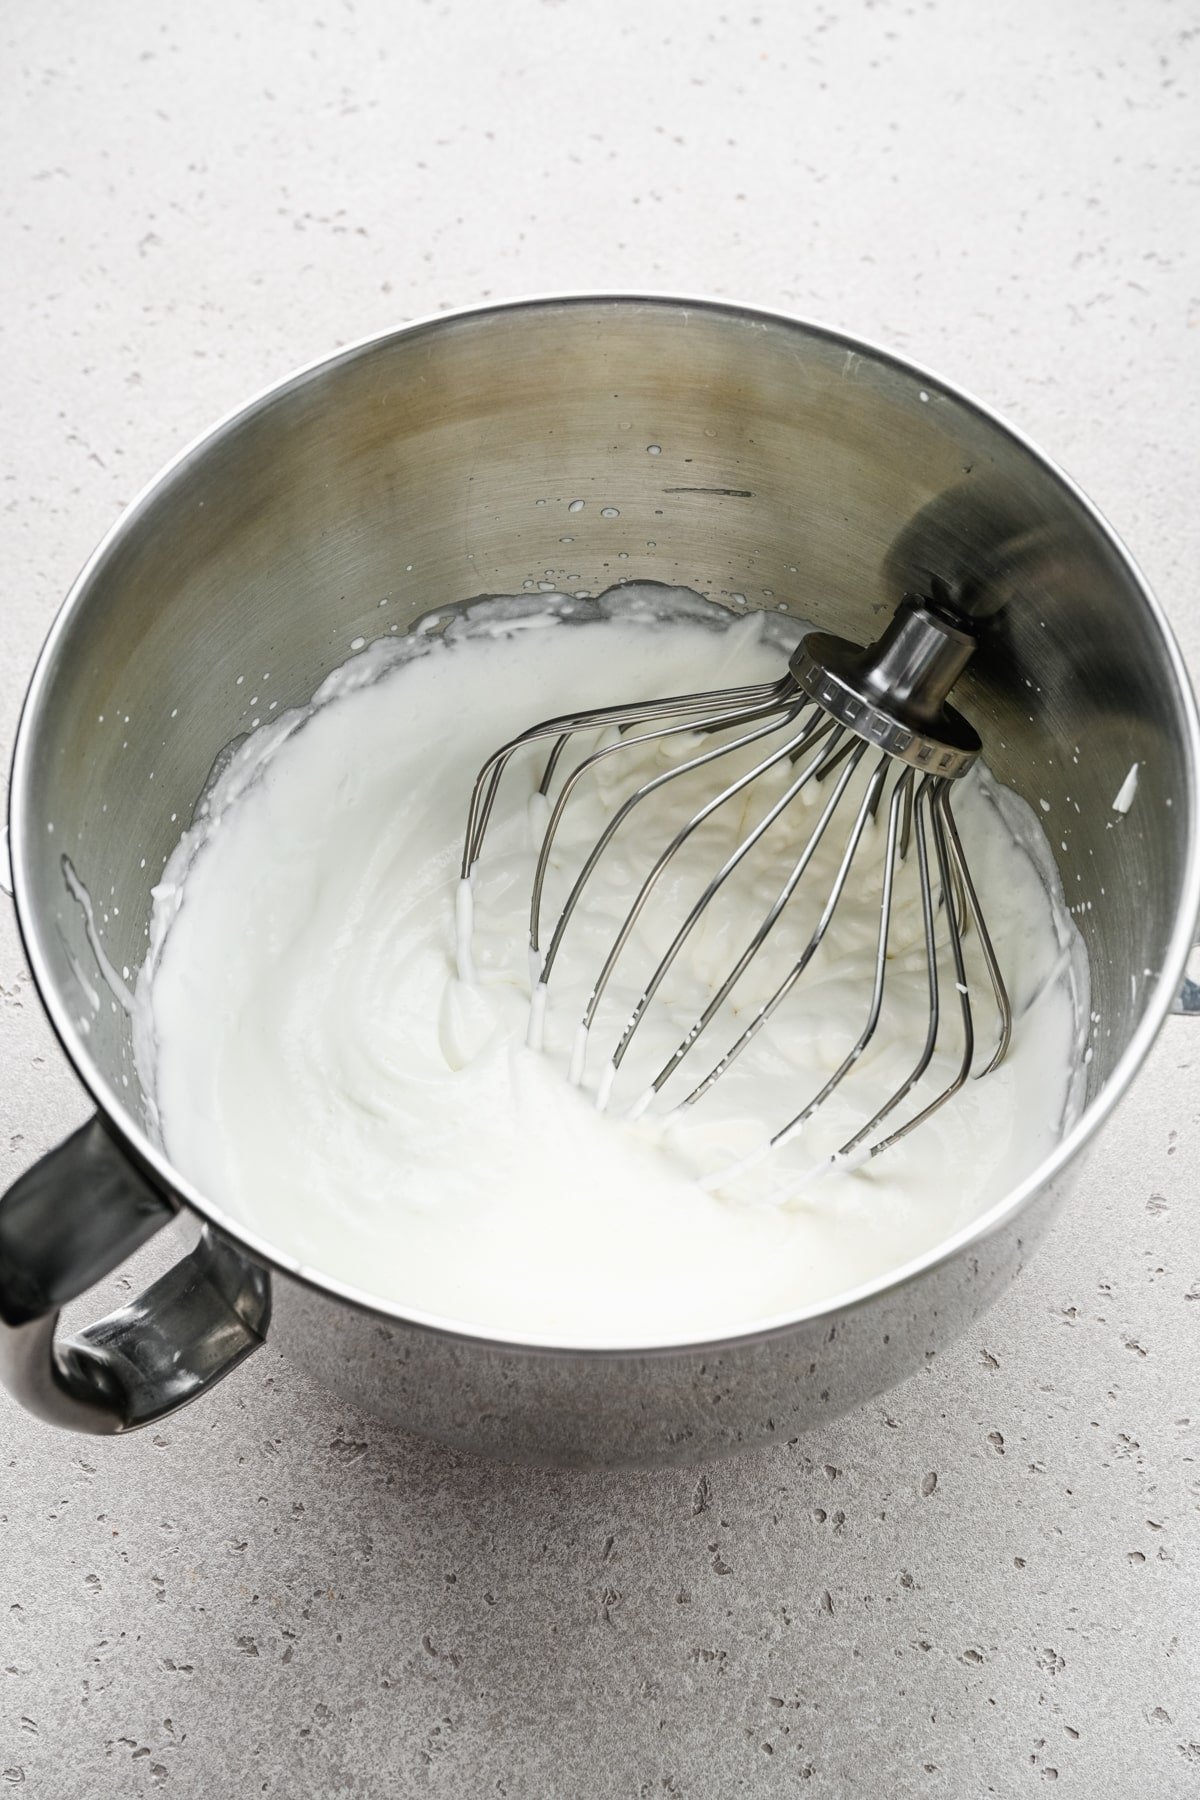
(153, 1162)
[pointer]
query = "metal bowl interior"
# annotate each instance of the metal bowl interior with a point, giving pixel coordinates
(761, 460)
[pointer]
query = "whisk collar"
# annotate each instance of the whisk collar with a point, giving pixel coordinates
(893, 692)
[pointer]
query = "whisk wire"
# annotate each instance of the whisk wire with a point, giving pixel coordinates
(857, 753)
(929, 931)
(789, 710)
(987, 948)
(599, 718)
(813, 734)
(898, 808)
(964, 996)
(812, 731)
(907, 821)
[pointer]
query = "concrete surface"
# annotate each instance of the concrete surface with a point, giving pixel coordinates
(989, 1580)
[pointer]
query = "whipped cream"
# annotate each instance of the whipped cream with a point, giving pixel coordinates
(334, 1034)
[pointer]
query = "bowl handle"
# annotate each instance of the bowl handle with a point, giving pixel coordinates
(68, 1221)
(1187, 1000)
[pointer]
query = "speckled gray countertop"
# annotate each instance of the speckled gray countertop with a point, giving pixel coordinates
(990, 1579)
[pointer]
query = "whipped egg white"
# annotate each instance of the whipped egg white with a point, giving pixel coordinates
(319, 1066)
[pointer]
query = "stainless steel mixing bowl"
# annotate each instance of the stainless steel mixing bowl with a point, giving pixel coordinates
(795, 467)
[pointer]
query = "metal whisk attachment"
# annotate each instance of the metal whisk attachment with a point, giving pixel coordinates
(838, 708)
